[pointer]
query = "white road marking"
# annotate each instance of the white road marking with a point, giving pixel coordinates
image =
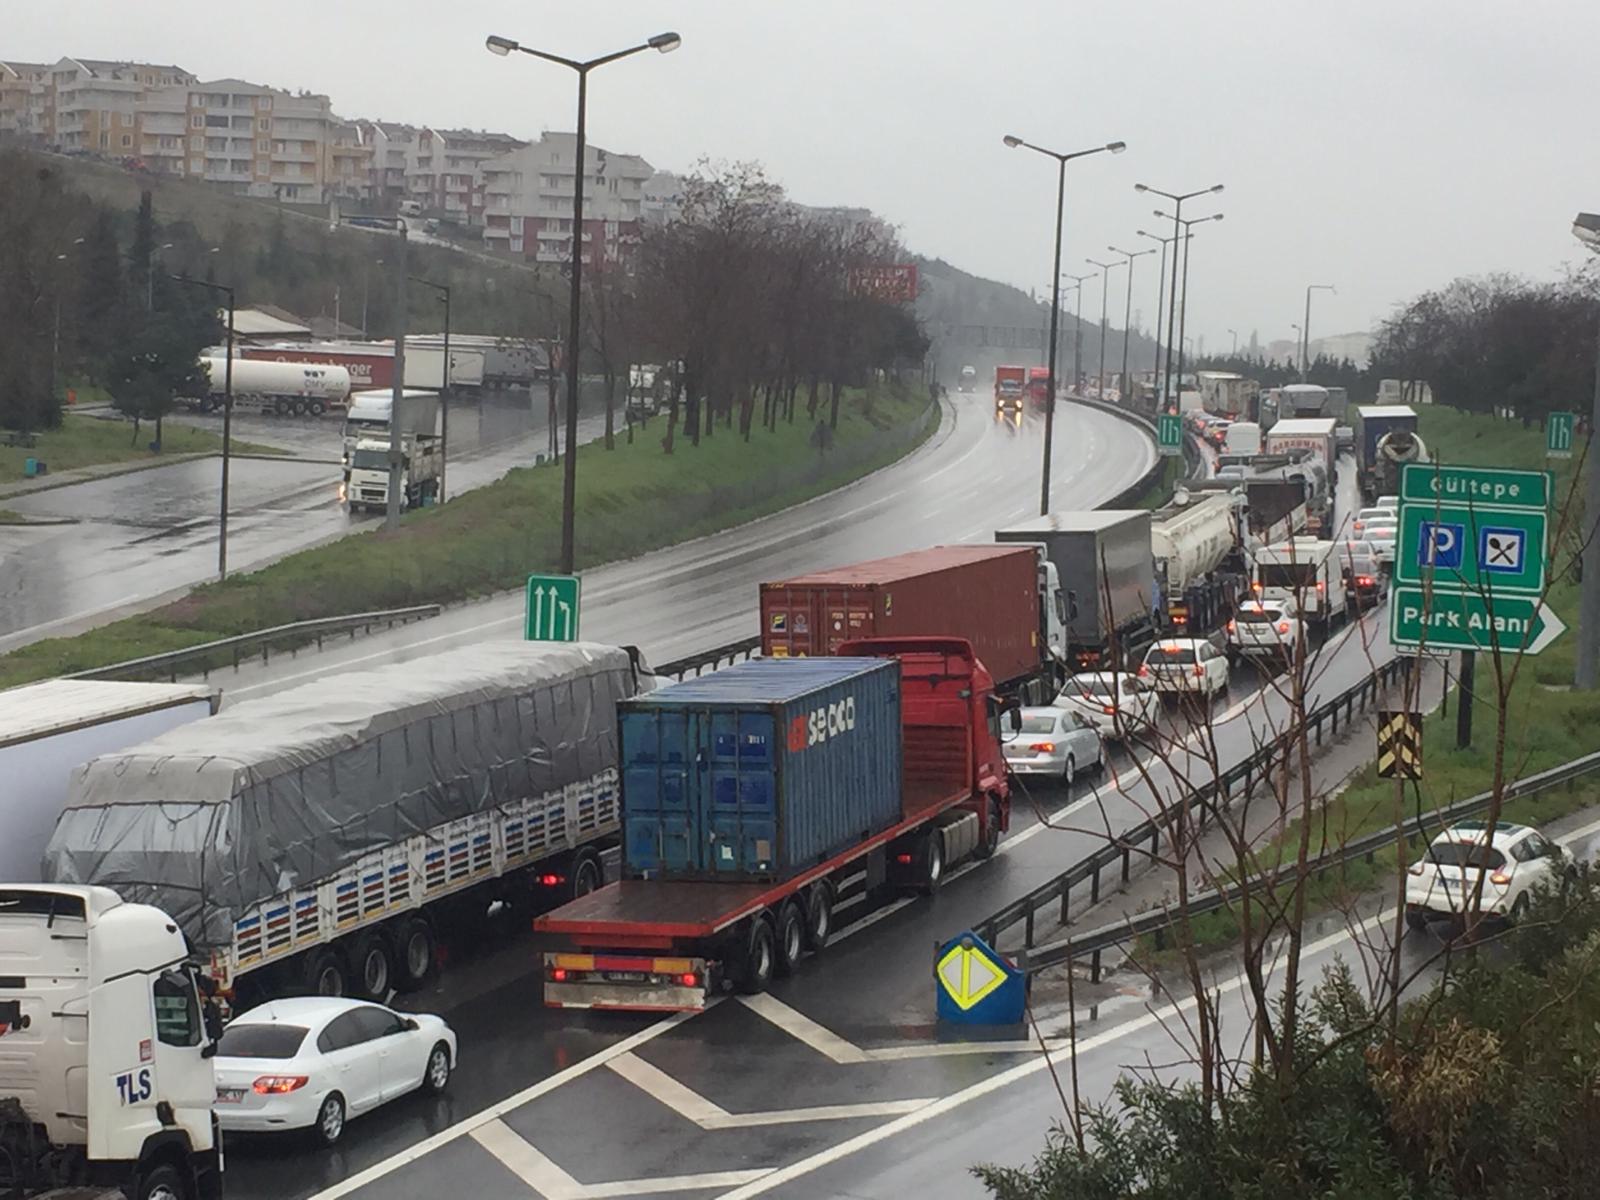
(495, 1111)
(686, 1102)
(803, 1029)
(525, 1161)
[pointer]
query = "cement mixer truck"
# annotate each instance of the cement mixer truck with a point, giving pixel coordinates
(1199, 567)
(1386, 440)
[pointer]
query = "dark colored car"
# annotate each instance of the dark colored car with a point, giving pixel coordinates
(1366, 579)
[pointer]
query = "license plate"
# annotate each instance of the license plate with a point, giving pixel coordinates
(226, 1095)
(626, 977)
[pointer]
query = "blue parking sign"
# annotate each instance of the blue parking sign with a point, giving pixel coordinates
(1441, 545)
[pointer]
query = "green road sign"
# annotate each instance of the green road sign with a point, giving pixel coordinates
(1461, 621)
(1477, 548)
(1558, 435)
(551, 614)
(1475, 485)
(1169, 433)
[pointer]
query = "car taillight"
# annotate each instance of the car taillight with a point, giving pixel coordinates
(558, 974)
(1364, 581)
(1356, 525)
(277, 1085)
(1283, 627)
(1179, 619)
(1043, 747)
(1109, 709)
(1144, 671)
(1322, 586)
(1255, 587)
(1233, 627)
(1199, 671)
(689, 979)
(1502, 878)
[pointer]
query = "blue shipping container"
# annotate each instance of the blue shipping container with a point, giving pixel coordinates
(761, 770)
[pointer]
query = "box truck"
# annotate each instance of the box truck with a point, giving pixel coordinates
(763, 799)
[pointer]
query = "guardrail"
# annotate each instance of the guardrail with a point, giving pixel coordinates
(712, 659)
(208, 655)
(1147, 836)
(1157, 921)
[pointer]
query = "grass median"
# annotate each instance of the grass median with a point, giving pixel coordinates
(630, 500)
(1546, 722)
(89, 441)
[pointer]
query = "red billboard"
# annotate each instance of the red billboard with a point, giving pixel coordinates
(893, 283)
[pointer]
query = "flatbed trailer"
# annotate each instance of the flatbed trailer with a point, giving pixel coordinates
(672, 944)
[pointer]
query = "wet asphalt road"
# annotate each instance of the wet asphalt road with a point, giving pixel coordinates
(151, 533)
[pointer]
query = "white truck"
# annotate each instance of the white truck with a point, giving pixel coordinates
(1306, 571)
(1226, 393)
(367, 420)
(106, 1042)
(285, 388)
(367, 482)
(47, 729)
(326, 840)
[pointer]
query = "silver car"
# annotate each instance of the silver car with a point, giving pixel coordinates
(1053, 743)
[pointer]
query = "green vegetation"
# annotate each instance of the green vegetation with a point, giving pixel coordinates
(1163, 485)
(85, 441)
(630, 500)
(7, 517)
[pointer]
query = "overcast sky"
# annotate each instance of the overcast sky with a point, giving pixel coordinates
(1380, 146)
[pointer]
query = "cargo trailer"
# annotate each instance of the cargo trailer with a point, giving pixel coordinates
(1103, 561)
(1005, 600)
(767, 744)
(320, 840)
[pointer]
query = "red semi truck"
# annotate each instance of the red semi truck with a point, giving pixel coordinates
(671, 943)
(1039, 386)
(1005, 600)
(1010, 385)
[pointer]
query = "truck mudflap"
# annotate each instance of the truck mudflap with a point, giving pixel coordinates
(629, 983)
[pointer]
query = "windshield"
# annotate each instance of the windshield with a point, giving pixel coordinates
(1258, 616)
(1466, 854)
(261, 1041)
(1287, 575)
(370, 460)
(1169, 654)
(1090, 685)
(1041, 724)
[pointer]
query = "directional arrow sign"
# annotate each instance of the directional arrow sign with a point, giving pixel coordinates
(1456, 621)
(551, 612)
(1169, 433)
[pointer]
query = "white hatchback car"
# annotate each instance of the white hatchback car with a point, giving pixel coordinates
(1511, 859)
(313, 1062)
(1266, 631)
(1117, 703)
(1180, 666)
(1055, 743)
(1368, 515)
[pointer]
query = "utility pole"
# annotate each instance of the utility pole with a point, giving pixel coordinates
(1586, 672)
(1305, 330)
(391, 513)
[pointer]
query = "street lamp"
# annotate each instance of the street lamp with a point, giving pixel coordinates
(444, 381)
(1105, 286)
(1055, 300)
(227, 418)
(1234, 353)
(1077, 328)
(1305, 353)
(150, 275)
(1183, 293)
(1177, 199)
(1161, 293)
(663, 42)
(1586, 675)
(1127, 316)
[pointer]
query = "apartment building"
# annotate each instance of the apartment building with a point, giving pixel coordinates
(392, 146)
(86, 104)
(443, 170)
(347, 161)
(24, 92)
(527, 201)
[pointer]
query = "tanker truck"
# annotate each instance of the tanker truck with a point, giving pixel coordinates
(1199, 568)
(284, 388)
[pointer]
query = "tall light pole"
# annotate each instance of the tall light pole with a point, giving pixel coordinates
(1234, 353)
(1127, 316)
(1161, 291)
(227, 419)
(1183, 292)
(663, 42)
(1305, 353)
(1105, 286)
(1177, 199)
(1586, 675)
(1077, 328)
(1055, 286)
(444, 381)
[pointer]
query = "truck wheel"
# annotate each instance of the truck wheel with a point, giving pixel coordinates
(753, 972)
(370, 966)
(819, 915)
(325, 974)
(281, 406)
(586, 875)
(162, 1183)
(932, 862)
(413, 954)
(298, 408)
(991, 834)
(316, 408)
(791, 939)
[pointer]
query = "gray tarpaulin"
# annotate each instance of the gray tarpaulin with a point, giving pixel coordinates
(271, 794)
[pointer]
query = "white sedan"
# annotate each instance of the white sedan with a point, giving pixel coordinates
(313, 1062)
(1185, 666)
(1117, 703)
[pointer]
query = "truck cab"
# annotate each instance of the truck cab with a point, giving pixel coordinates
(369, 473)
(106, 1043)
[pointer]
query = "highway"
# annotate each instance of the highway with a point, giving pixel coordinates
(573, 1106)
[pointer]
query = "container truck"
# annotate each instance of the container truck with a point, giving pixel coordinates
(286, 389)
(47, 729)
(106, 1045)
(1386, 440)
(322, 840)
(1304, 400)
(1010, 384)
(1039, 386)
(763, 799)
(367, 478)
(1005, 600)
(1102, 559)
(371, 364)
(1199, 569)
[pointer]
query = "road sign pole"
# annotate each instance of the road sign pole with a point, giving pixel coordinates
(1469, 660)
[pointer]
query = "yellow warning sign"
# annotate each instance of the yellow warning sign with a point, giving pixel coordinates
(968, 974)
(1399, 745)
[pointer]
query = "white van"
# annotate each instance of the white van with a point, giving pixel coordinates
(1306, 571)
(1243, 438)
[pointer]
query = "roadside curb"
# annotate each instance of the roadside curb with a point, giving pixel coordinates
(26, 523)
(93, 474)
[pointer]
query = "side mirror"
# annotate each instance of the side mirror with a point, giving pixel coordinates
(1014, 720)
(411, 1025)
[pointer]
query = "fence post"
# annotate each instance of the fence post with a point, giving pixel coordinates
(1094, 967)
(1127, 862)
(1094, 885)
(1027, 927)
(1066, 902)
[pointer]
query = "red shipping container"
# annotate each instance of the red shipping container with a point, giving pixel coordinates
(986, 594)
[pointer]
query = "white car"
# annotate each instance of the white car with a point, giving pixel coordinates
(1368, 515)
(1117, 703)
(313, 1062)
(1390, 502)
(1185, 666)
(1511, 859)
(1266, 631)
(1381, 536)
(1055, 743)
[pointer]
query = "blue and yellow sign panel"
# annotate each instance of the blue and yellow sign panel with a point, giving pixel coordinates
(974, 985)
